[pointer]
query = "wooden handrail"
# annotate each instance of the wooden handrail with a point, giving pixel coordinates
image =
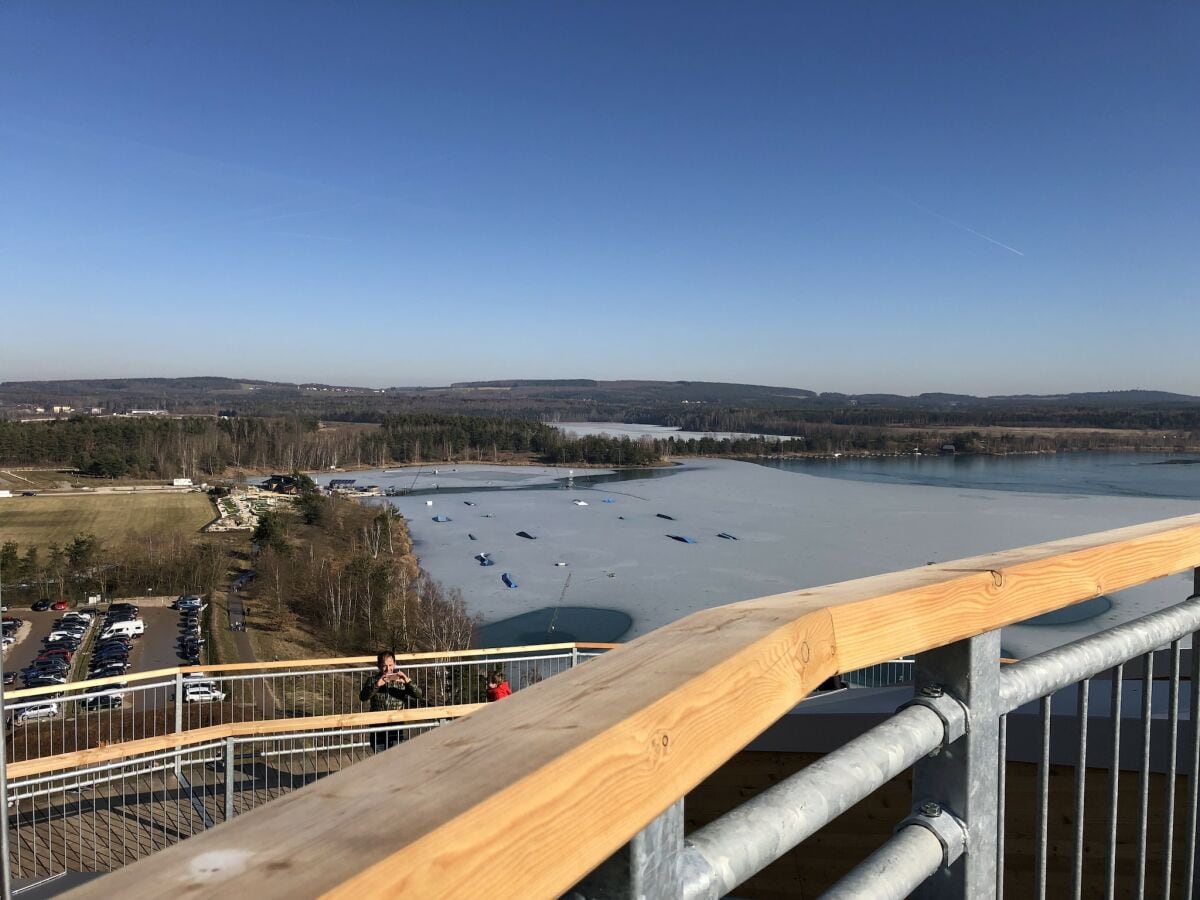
(401, 659)
(527, 795)
(109, 752)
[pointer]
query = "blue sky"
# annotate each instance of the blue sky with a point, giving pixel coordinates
(847, 196)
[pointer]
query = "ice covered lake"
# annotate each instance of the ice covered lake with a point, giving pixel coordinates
(793, 530)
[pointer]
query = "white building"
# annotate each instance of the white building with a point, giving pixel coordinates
(181, 482)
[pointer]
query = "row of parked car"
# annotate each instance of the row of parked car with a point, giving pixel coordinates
(52, 665)
(190, 641)
(11, 626)
(110, 657)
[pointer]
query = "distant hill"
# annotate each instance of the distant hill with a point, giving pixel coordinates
(698, 405)
(527, 382)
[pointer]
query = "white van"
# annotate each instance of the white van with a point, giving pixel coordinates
(132, 628)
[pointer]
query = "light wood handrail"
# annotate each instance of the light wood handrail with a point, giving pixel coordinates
(401, 659)
(527, 795)
(194, 736)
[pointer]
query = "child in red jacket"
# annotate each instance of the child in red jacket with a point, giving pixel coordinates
(498, 687)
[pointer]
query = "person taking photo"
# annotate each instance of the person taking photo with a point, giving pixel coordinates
(388, 688)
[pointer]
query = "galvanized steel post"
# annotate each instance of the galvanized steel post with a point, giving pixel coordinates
(178, 717)
(647, 868)
(962, 777)
(230, 746)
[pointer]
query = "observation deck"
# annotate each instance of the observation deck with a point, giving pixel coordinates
(625, 771)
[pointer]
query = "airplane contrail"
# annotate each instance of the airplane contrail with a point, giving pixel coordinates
(950, 221)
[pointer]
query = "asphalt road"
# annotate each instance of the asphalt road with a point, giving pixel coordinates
(156, 648)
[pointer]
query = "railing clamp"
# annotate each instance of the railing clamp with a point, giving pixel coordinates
(950, 710)
(946, 827)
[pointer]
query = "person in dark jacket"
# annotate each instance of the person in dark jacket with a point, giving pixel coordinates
(387, 688)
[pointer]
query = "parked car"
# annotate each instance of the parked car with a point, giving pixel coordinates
(53, 663)
(111, 653)
(60, 604)
(117, 688)
(62, 644)
(109, 662)
(198, 693)
(103, 701)
(120, 665)
(61, 636)
(10, 677)
(132, 628)
(102, 652)
(45, 679)
(41, 605)
(189, 601)
(109, 672)
(133, 607)
(31, 713)
(109, 646)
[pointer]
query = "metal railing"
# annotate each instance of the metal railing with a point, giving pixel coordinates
(78, 715)
(953, 735)
(96, 817)
(100, 817)
(884, 674)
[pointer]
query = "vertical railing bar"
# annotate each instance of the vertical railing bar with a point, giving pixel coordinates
(1081, 786)
(1172, 760)
(1043, 797)
(1144, 777)
(1114, 778)
(1001, 785)
(1193, 802)
(229, 751)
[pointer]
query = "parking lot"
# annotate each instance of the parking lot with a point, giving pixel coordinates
(153, 650)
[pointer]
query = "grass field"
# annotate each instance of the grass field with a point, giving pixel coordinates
(48, 519)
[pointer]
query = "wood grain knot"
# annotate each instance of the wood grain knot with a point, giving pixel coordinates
(805, 653)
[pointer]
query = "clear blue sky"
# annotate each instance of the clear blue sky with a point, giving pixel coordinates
(844, 196)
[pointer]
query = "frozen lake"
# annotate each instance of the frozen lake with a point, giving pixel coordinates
(793, 530)
(636, 432)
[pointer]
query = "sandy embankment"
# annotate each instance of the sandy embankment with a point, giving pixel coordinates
(793, 530)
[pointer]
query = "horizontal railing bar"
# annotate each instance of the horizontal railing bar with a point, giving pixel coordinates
(631, 727)
(401, 659)
(744, 841)
(267, 728)
(893, 871)
(108, 766)
(1050, 671)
